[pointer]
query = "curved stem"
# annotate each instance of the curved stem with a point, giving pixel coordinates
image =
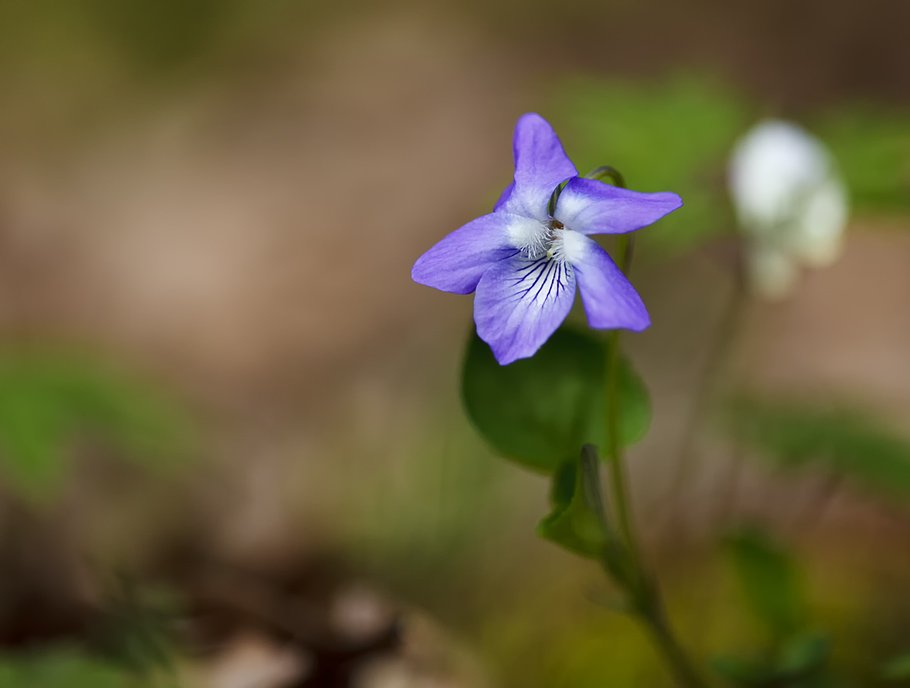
(607, 173)
(672, 651)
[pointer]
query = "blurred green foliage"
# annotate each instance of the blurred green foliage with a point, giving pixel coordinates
(50, 402)
(773, 587)
(872, 147)
(841, 441)
(129, 642)
(540, 411)
(136, 628)
(897, 669)
(770, 581)
(63, 668)
(677, 134)
(672, 135)
(68, 667)
(800, 662)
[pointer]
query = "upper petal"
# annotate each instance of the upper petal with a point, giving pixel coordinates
(520, 302)
(593, 207)
(610, 300)
(457, 262)
(541, 164)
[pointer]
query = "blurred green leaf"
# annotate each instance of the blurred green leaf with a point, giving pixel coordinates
(743, 672)
(872, 149)
(673, 135)
(48, 402)
(540, 410)
(59, 669)
(774, 590)
(843, 441)
(136, 628)
(804, 654)
(769, 581)
(800, 662)
(897, 668)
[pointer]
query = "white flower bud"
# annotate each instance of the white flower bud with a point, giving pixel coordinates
(790, 202)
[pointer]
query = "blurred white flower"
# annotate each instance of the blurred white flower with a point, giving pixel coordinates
(790, 202)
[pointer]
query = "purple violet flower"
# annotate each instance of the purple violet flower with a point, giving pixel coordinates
(524, 264)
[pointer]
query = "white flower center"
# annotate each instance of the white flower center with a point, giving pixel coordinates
(551, 240)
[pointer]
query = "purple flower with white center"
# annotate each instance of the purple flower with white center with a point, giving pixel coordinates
(524, 263)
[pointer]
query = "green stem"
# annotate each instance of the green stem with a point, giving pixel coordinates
(669, 647)
(646, 599)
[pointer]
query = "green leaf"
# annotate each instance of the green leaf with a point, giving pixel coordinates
(540, 410)
(770, 581)
(49, 402)
(897, 668)
(842, 441)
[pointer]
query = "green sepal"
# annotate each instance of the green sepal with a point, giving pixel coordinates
(573, 522)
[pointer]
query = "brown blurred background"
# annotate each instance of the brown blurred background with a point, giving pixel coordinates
(224, 199)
